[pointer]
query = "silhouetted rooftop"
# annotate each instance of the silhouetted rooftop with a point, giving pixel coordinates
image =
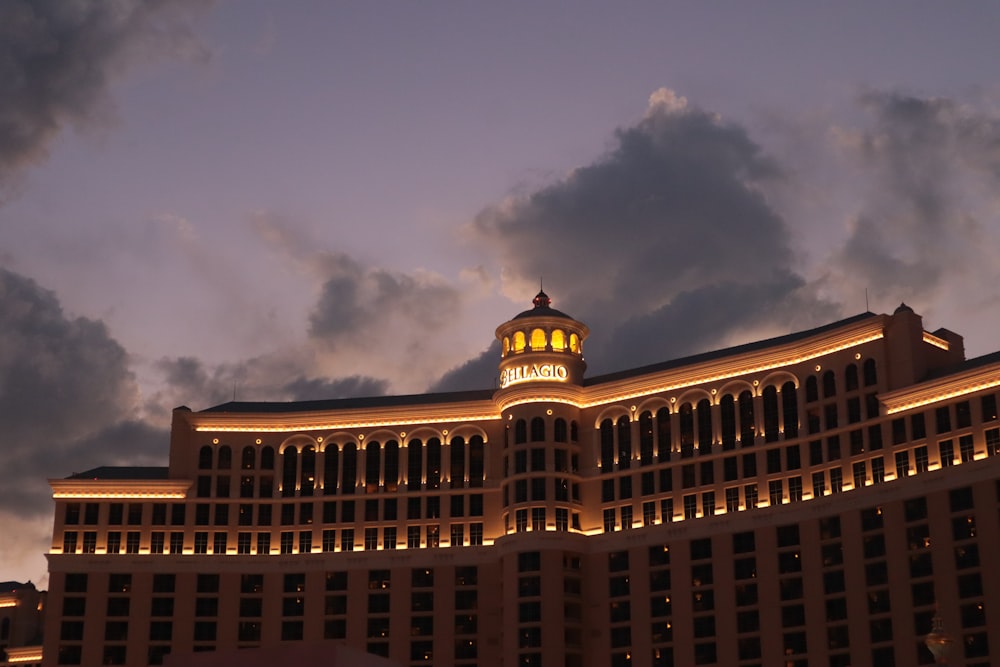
(352, 403)
(122, 472)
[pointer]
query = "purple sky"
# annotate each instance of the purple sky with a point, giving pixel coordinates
(321, 200)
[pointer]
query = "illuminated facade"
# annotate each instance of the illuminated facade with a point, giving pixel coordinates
(22, 607)
(773, 503)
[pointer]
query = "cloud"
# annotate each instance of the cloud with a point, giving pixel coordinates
(311, 389)
(925, 226)
(675, 208)
(58, 59)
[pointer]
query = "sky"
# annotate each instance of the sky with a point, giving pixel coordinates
(207, 200)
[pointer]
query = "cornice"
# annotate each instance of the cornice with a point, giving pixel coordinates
(941, 389)
(119, 488)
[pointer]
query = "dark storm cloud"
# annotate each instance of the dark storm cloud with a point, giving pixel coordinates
(57, 58)
(311, 389)
(66, 393)
(356, 301)
(476, 373)
(930, 162)
(674, 208)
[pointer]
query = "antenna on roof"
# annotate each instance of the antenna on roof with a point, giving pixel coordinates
(541, 286)
(867, 309)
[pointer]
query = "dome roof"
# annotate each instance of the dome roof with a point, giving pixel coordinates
(541, 308)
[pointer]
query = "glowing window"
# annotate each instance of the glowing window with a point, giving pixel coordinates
(574, 343)
(558, 340)
(519, 341)
(506, 346)
(537, 339)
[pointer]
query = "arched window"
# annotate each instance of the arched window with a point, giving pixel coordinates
(624, 443)
(574, 432)
(267, 458)
(704, 426)
(687, 430)
(812, 391)
(574, 343)
(331, 469)
(307, 477)
(607, 446)
(520, 431)
(289, 471)
(560, 430)
(477, 458)
(829, 384)
(871, 377)
(646, 438)
(506, 346)
(748, 424)
(349, 471)
(537, 429)
(663, 436)
(790, 405)
(519, 341)
(205, 458)
(770, 413)
(537, 340)
(414, 465)
(434, 463)
(391, 466)
(248, 458)
(225, 457)
(457, 456)
(558, 340)
(373, 466)
(727, 408)
(851, 377)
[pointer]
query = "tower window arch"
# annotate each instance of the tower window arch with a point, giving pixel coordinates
(519, 341)
(560, 430)
(812, 390)
(506, 346)
(391, 466)
(646, 437)
(829, 384)
(289, 470)
(267, 458)
(537, 340)
(727, 407)
(537, 429)
(414, 464)
(205, 458)
(687, 430)
(558, 340)
(349, 470)
(373, 466)
(607, 446)
(307, 477)
(574, 343)
(851, 377)
(770, 413)
(520, 431)
(457, 458)
(871, 377)
(225, 457)
(331, 469)
(624, 443)
(248, 459)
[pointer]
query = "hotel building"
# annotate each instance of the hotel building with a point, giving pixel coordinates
(812, 499)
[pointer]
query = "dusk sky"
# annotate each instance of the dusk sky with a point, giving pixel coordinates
(312, 200)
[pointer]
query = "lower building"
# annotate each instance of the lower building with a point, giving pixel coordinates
(22, 608)
(827, 498)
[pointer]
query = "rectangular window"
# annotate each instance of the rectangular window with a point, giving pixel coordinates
(305, 541)
(690, 506)
(878, 470)
(347, 539)
(626, 512)
(287, 544)
(201, 542)
(176, 542)
(132, 542)
(988, 406)
(157, 541)
(648, 513)
(794, 489)
(992, 441)
(609, 520)
(114, 542)
(329, 540)
(750, 496)
(413, 537)
(733, 499)
(902, 464)
(966, 449)
(942, 419)
(219, 544)
(521, 520)
(836, 480)
(475, 534)
(946, 449)
(389, 537)
(819, 484)
(264, 544)
(775, 492)
(920, 459)
(457, 535)
(666, 509)
(243, 543)
(860, 474)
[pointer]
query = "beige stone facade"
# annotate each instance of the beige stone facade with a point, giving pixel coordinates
(805, 500)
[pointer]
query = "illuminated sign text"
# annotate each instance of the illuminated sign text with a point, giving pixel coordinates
(530, 372)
